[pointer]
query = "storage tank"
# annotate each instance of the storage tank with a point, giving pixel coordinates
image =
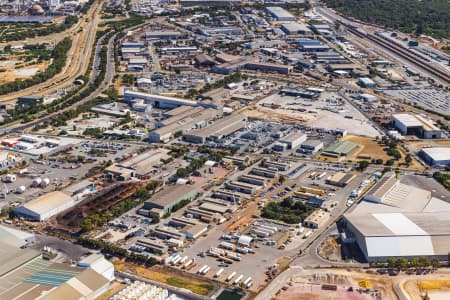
(230, 276)
(45, 182)
(10, 178)
(20, 189)
(218, 272)
(36, 181)
(238, 279)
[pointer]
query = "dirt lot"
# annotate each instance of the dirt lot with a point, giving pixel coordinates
(170, 277)
(330, 249)
(12, 73)
(436, 289)
(370, 149)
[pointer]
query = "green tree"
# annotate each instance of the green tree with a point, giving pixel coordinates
(363, 165)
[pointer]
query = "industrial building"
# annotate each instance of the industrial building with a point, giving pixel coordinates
(399, 220)
(310, 146)
(269, 67)
(162, 35)
(280, 14)
(170, 196)
(44, 207)
(384, 235)
(217, 131)
(408, 124)
(366, 82)
(340, 179)
(264, 172)
(280, 166)
(296, 29)
(436, 156)
(342, 148)
(140, 166)
(183, 122)
(294, 139)
(26, 275)
(242, 187)
(316, 219)
(157, 100)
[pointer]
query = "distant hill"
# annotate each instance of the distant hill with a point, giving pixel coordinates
(430, 17)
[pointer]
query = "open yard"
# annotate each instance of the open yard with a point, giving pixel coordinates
(370, 149)
(176, 279)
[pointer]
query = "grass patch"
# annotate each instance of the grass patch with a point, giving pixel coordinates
(201, 289)
(228, 295)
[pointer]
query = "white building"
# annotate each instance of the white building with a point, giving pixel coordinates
(99, 264)
(280, 14)
(399, 220)
(44, 207)
(436, 156)
(409, 124)
(157, 100)
(294, 139)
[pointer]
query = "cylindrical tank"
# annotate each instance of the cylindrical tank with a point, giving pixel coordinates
(36, 181)
(45, 182)
(21, 189)
(10, 178)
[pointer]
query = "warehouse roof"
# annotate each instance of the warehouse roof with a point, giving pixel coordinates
(437, 153)
(171, 193)
(414, 121)
(402, 224)
(48, 202)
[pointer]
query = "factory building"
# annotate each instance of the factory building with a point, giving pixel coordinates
(342, 148)
(44, 207)
(280, 14)
(316, 219)
(268, 173)
(436, 156)
(170, 196)
(384, 235)
(242, 187)
(311, 146)
(408, 124)
(162, 35)
(366, 83)
(217, 131)
(158, 101)
(140, 166)
(26, 274)
(299, 93)
(294, 139)
(308, 45)
(398, 220)
(340, 179)
(269, 67)
(296, 29)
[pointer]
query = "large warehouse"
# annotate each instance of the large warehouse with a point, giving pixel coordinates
(157, 100)
(44, 207)
(409, 124)
(384, 235)
(280, 14)
(436, 156)
(220, 129)
(170, 196)
(399, 220)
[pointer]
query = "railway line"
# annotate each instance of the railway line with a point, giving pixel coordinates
(404, 53)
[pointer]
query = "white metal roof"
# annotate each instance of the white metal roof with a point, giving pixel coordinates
(399, 246)
(399, 224)
(437, 153)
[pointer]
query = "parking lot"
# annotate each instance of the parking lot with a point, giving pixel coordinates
(433, 99)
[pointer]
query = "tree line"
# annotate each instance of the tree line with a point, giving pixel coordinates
(430, 17)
